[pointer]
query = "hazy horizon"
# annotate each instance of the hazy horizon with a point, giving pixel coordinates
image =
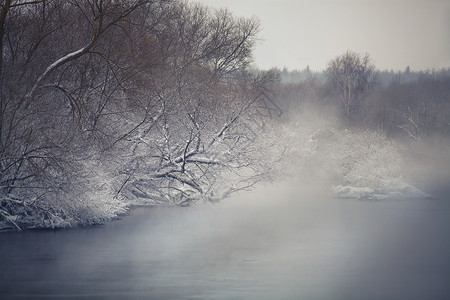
(396, 34)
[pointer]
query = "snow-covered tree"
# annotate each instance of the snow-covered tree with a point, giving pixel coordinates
(105, 101)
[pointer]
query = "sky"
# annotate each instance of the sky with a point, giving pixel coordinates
(395, 33)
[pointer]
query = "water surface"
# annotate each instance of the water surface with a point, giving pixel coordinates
(273, 243)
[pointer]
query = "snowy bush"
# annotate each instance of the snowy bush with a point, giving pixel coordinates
(361, 165)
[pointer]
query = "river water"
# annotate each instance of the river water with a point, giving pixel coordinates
(277, 242)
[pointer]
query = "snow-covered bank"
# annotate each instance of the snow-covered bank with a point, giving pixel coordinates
(352, 164)
(88, 200)
(403, 190)
(357, 164)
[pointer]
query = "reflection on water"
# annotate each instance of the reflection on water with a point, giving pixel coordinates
(275, 243)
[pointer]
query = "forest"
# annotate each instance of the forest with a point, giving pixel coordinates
(107, 104)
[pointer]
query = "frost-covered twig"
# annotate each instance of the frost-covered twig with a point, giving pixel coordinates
(9, 218)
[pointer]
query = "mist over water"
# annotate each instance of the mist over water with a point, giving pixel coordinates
(357, 217)
(293, 239)
(285, 241)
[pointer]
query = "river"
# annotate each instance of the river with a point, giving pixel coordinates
(277, 242)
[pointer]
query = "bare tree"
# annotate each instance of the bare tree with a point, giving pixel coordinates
(353, 75)
(60, 73)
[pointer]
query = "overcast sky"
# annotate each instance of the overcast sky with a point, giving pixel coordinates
(396, 33)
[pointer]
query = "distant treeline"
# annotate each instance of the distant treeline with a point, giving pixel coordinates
(385, 77)
(411, 104)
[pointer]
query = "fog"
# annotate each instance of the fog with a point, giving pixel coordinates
(278, 242)
(293, 239)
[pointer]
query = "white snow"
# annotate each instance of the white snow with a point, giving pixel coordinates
(361, 165)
